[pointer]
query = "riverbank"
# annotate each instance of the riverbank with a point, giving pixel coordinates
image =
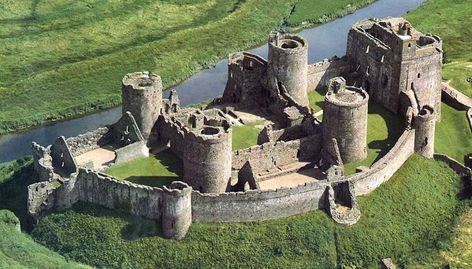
(60, 61)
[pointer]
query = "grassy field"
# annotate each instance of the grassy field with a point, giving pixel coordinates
(155, 171)
(18, 250)
(453, 134)
(424, 192)
(245, 136)
(62, 58)
(384, 128)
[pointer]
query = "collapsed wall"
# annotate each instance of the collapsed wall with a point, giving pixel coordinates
(273, 154)
(320, 73)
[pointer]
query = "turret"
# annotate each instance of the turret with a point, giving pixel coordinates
(177, 210)
(207, 159)
(288, 64)
(142, 96)
(345, 119)
(424, 125)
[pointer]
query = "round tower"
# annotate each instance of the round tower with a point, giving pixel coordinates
(141, 94)
(345, 119)
(176, 210)
(424, 125)
(288, 64)
(208, 159)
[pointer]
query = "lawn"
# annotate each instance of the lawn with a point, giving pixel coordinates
(423, 191)
(383, 130)
(245, 136)
(453, 134)
(155, 171)
(61, 58)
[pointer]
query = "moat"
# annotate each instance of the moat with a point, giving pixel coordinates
(208, 83)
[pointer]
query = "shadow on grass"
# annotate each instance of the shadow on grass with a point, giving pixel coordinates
(170, 161)
(14, 188)
(394, 130)
(133, 227)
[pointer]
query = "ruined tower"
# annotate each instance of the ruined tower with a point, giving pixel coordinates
(345, 119)
(141, 94)
(288, 65)
(207, 159)
(424, 125)
(177, 210)
(389, 56)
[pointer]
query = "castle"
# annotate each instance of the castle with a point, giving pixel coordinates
(387, 62)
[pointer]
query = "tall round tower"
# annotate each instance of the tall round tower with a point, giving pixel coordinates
(208, 159)
(176, 210)
(288, 64)
(345, 119)
(424, 125)
(141, 94)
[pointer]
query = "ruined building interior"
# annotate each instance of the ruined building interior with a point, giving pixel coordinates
(298, 162)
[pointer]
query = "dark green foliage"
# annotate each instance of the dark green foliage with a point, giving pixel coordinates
(18, 250)
(14, 179)
(408, 219)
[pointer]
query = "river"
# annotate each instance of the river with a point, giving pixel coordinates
(324, 41)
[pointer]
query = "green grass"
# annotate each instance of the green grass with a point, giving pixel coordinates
(383, 130)
(245, 136)
(316, 99)
(408, 219)
(61, 58)
(155, 171)
(17, 249)
(453, 134)
(451, 21)
(313, 12)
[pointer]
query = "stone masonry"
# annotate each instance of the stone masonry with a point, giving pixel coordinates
(387, 62)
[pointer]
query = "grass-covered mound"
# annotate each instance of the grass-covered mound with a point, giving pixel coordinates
(408, 219)
(18, 250)
(155, 170)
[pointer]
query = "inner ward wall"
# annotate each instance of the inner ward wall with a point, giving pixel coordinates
(270, 155)
(320, 73)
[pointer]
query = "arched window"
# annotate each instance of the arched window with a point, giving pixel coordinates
(419, 75)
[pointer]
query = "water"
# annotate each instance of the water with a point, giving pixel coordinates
(324, 41)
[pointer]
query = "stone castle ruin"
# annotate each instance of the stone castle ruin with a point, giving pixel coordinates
(298, 162)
